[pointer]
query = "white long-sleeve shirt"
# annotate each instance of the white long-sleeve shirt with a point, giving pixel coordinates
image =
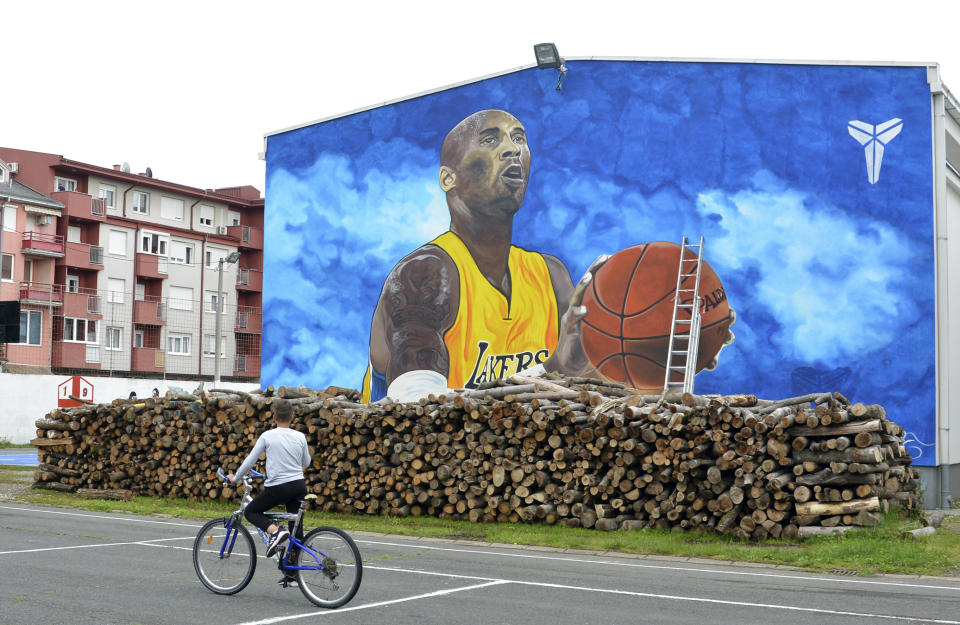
(287, 456)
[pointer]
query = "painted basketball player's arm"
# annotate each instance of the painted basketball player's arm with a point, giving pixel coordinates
(417, 306)
(569, 358)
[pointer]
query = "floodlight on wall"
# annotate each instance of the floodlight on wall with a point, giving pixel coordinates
(549, 58)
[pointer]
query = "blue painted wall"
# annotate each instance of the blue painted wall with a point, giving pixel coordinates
(831, 276)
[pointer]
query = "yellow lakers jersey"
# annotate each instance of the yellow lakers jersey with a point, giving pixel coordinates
(494, 337)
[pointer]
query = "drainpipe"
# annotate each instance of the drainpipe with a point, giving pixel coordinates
(127, 190)
(203, 256)
(203, 247)
(942, 287)
(2, 204)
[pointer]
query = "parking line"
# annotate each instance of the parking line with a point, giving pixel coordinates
(377, 604)
(100, 516)
(135, 542)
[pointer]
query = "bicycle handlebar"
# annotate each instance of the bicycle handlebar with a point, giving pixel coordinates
(224, 477)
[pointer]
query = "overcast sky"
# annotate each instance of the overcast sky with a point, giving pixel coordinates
(190, 88)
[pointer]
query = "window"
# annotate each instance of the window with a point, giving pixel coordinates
(106, 193)
(79, 330)
(114, 338)
(140, 292)
(171, 208)
(6, 267)
(141, 203)
(210, 349)
(154, 243)
(64, 184)
(9, 214)
(181, 253)
(73, 284)
(178, 344)
(206, 215)
(138, 338)
(181, 298)
(214, 255)
(28, 270)
(233, 217)
(4, 174)
(118, 242)
(211, 301)
(115, 289)
(30, 322)
(74, 234)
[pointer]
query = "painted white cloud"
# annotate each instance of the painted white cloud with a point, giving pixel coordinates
(833, 284)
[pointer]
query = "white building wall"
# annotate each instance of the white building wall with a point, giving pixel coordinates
(952, 343)
(26, 398)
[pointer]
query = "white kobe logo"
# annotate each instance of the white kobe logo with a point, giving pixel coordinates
(873, 138)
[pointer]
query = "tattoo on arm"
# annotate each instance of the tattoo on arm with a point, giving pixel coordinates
(418, 303)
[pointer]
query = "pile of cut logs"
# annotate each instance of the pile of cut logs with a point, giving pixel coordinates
(573, 451)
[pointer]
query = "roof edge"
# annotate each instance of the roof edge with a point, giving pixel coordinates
(641, 59)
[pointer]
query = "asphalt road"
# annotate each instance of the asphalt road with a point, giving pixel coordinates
(72, 567)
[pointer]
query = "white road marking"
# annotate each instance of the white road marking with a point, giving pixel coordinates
(377, 604)
(667, 567)
(496, 582)
(747, 604)
(98, 516)
(136, 542)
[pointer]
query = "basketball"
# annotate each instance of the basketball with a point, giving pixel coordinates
(626, 332)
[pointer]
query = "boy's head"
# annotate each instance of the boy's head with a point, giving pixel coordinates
(282, 411)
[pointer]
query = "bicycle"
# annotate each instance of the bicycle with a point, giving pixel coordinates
(326, 561)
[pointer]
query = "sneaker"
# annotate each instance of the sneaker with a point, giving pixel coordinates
(275, 539)
(287, 581)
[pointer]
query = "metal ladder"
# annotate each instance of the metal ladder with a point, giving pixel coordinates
(682, 348)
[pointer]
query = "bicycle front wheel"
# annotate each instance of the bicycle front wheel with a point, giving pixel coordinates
(332, 567)
(224, 557)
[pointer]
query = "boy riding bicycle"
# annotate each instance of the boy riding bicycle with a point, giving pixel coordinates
(287, 456)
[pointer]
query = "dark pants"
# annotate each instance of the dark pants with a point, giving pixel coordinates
(288, 493)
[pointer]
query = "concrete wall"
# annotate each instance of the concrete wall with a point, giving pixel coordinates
(26, 398)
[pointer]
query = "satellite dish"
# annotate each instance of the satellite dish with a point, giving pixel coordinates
(149, 173)
(126, 167)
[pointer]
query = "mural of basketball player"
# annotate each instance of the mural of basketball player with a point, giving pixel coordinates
(469, 306)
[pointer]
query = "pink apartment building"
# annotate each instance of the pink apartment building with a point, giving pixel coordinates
(118, 271)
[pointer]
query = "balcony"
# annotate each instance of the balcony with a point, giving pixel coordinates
(82, 303)
(81, 206)
(40, 293)
(147, 359)
(249, 319)
(68, 355)
(246, 366)
(84, 256)
(151, 266)
(250, 238)
(150, 311)
(39, 244)
(249, 280)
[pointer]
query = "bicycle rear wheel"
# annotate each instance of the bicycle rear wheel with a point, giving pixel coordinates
(224, 560)
(337, 567)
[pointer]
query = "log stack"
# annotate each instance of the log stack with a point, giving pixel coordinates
(573, 451)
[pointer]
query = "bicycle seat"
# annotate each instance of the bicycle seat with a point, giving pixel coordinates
(310, 497)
